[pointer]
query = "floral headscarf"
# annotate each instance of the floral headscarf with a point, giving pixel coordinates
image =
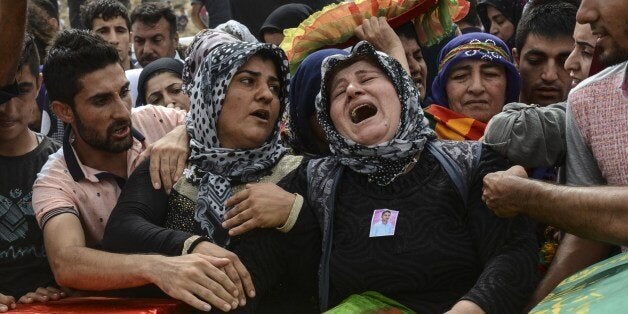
(385, 161)
(214, 167)
(478, 46)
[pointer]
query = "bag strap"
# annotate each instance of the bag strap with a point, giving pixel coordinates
(453, 168)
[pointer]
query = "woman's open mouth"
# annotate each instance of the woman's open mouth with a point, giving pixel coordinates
(362, 112)
(261, 114)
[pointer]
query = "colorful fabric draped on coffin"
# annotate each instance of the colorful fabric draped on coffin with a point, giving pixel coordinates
(600, 288)
(334, 25)
(451, 125)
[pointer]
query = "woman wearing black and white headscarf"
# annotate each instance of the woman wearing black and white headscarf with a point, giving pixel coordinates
(400, 213)
(237, 96)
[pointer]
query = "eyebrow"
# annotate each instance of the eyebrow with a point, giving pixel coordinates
(536, 52)
(105, 95)
(25, 84)
(249, 72)
(584, 43)
(256, 74)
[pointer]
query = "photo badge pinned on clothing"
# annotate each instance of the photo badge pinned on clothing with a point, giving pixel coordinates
(383, 222)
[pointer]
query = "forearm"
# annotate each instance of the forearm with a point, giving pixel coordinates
(12, 23)
(84, 268)
(599, 213)
(136, 223)
(133, 234)
(573, 254)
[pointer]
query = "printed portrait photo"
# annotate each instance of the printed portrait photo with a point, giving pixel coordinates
(383, 222)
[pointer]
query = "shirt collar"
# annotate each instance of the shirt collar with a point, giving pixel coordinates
(74, 164)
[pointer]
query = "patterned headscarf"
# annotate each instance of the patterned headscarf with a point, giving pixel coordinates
(478, 46)
(238, 30)
(204, 42)
(214, 167)
(385, 161)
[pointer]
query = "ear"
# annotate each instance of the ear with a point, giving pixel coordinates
(63, 111)
(515, 56)
(176, 38)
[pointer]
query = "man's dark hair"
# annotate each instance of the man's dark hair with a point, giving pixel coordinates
(407, 30)
(150, 13)
(29, 56)
(548, 19)
(104, 9)
(74, 54)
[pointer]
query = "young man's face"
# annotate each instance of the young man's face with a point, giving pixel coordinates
(385, 217)
(610, 27)
(541, 64)
(115, 32)
(102, 110)
(152, 42)
(20, 111)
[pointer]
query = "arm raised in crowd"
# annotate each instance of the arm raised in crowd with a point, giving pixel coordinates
(377, 31)
(195, 279)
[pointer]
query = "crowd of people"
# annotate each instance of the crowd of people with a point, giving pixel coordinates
(132, 165)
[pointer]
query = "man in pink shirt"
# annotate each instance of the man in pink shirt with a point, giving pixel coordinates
(594, 210)
(79, 185)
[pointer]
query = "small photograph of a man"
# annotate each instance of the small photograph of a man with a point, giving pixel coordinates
(383, 222)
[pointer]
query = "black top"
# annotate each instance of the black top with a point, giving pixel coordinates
(23, 263)
(441, 251)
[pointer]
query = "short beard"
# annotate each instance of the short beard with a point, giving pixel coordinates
(91, 137)
(615, 56)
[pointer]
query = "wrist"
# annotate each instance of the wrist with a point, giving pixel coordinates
(195, 242)
(148, 264)
(293, 215)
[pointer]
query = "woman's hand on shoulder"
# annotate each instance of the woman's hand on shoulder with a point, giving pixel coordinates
(260, 205)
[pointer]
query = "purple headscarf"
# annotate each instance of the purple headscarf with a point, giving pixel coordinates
(478, 46)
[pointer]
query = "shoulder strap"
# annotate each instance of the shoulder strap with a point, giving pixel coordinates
(453, 169)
